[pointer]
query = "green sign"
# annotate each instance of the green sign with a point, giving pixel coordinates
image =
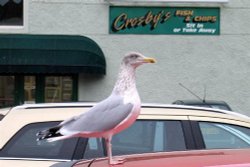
(164, 20)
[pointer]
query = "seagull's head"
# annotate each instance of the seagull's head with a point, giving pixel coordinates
(136, 59)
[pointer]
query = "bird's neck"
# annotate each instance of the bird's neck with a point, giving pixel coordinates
(126, 80)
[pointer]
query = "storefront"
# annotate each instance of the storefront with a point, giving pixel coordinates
(45, 68)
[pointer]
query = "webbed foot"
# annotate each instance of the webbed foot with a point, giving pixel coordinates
(116, 161)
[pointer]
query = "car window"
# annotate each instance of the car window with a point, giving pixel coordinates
(149, 136)
(142, 137)
(217, 135)
(94, 148)
(25, 145)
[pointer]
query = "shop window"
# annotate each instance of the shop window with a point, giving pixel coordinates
(7, 86)
(11, 13)
(58, 89)
(19, 89)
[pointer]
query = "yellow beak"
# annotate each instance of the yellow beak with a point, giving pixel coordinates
(149, 60)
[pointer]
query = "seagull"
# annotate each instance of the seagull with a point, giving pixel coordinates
(110, 116)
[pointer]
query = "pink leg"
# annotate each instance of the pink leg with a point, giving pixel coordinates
(109, 149)
(109, 153)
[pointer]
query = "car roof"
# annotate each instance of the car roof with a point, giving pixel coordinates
(145, 105)
(20, 116)
(200, 158)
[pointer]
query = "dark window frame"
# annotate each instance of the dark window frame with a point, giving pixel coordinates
(189, 136)
(197, 135)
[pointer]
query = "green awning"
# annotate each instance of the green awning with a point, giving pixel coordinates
(50, 54)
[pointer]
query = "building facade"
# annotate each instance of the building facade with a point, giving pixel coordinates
(70, 50)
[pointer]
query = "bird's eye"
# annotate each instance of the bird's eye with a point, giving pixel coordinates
(134, 56)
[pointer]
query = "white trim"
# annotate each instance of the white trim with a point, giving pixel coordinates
(18, 29)
(34, 159)
(145, 105)
(172, 1)
(232, 165)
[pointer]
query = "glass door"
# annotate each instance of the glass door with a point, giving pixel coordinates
(29, 89)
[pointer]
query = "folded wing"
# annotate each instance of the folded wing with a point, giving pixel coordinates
(102, 117)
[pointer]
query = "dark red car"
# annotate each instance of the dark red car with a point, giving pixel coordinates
(197, 158)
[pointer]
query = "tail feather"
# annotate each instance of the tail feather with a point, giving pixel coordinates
(52, 139)
(49, 133)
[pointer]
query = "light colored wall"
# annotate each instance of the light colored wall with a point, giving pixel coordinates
(221, 63)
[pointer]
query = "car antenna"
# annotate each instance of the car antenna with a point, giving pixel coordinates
(205, 93)
(198, 97)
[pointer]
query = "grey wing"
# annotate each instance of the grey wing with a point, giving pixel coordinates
(102, 117)
(67, 121)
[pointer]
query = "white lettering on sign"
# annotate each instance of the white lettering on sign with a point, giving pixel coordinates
(190, 25)
(207, 30)
(177, 30)
(200, 25)
(192, 30)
